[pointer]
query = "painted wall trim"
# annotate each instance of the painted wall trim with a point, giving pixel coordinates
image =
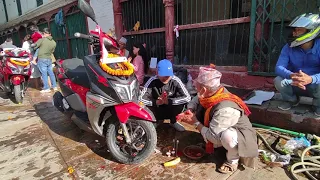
(5, 10)
(33, 14)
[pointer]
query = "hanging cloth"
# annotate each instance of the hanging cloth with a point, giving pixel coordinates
(59, 20)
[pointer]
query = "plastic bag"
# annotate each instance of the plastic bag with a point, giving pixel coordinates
(296, 143)
(277, 158)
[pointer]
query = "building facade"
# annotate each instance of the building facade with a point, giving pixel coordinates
(18, 15)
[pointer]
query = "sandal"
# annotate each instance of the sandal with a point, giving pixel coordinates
(231, 168)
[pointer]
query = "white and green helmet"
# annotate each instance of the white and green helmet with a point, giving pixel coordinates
(309, 21)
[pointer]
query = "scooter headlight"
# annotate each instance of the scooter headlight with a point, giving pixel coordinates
(26, 68)
(126, 92)
(13, 68)
(121, 91)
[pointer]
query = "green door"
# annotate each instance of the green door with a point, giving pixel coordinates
(43, 25)
(58, 35)
(76, 22)
(16, 39)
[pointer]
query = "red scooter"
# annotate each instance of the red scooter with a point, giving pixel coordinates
(103, 102)
(15, 72)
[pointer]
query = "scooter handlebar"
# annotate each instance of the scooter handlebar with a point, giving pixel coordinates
(84, 36)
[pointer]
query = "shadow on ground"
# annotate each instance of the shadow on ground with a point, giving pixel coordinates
(63, 126)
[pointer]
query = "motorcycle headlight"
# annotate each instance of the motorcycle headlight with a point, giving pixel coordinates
(121, 92)
(126, 92)
(13, 68)
(26, 68)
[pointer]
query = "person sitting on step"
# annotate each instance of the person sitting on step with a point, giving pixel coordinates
(298, 67)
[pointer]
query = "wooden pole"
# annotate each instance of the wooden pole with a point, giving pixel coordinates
(118, 21)
(169, 25)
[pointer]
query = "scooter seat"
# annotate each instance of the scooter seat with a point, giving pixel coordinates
(75, 70)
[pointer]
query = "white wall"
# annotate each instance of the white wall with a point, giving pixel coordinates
(27, 5)
(2, 13)
(12, 9)
(104, 14)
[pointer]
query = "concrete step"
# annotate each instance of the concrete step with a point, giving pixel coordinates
(300, 118)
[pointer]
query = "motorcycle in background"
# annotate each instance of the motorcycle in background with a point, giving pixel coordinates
(15, 72)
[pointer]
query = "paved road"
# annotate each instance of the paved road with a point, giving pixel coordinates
(37, 142)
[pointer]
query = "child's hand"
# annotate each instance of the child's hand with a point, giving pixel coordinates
(159, 102)
(164, 97)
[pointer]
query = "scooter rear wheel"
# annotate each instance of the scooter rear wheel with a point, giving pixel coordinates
(144, 138)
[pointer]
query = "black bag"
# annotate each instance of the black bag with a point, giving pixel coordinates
(181, 73)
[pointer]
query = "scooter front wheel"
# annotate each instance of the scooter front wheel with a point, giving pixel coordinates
(17, 93)
(143, 136)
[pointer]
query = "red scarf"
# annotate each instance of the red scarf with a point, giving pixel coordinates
(218, 97)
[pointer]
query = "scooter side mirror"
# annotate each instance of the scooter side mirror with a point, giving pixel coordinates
(87, 10)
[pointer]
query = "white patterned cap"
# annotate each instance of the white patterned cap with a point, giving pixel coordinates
(123, 40)
(209, 77)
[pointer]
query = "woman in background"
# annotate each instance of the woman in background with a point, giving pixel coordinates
(35, 73)
(140, 61)
(26, 43)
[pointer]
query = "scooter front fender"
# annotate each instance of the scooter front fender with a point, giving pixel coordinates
(127, 110)
(17, 79)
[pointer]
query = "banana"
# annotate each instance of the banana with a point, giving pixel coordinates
(172, 162)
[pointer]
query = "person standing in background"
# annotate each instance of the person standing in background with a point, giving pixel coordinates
(26, 43)
(8, 44)
(123, 51)
(140, 62)
(46, 47)
(35, 74)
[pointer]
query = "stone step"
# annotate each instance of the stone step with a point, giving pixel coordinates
(299, 119)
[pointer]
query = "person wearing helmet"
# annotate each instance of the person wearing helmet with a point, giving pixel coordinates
(165, 94)
(298, 66)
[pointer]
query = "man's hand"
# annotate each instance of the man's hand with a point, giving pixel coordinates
(301, 79)
(34, 62)
(187, 117)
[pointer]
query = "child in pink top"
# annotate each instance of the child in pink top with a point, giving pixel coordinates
(140, 61)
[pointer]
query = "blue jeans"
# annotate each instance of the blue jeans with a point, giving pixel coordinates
(45, 67)
(290, 93)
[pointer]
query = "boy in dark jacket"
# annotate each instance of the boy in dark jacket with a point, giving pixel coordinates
(165, 94)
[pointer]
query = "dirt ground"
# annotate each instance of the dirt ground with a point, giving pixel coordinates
(38, 142)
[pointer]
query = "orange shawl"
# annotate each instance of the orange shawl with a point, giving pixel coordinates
(210, 102)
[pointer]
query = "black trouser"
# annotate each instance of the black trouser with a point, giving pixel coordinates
(167, 112)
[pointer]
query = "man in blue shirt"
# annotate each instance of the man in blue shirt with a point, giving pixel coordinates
(298, 67)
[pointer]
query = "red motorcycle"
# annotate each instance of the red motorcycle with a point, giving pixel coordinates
(101, 98)
(15, 72)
